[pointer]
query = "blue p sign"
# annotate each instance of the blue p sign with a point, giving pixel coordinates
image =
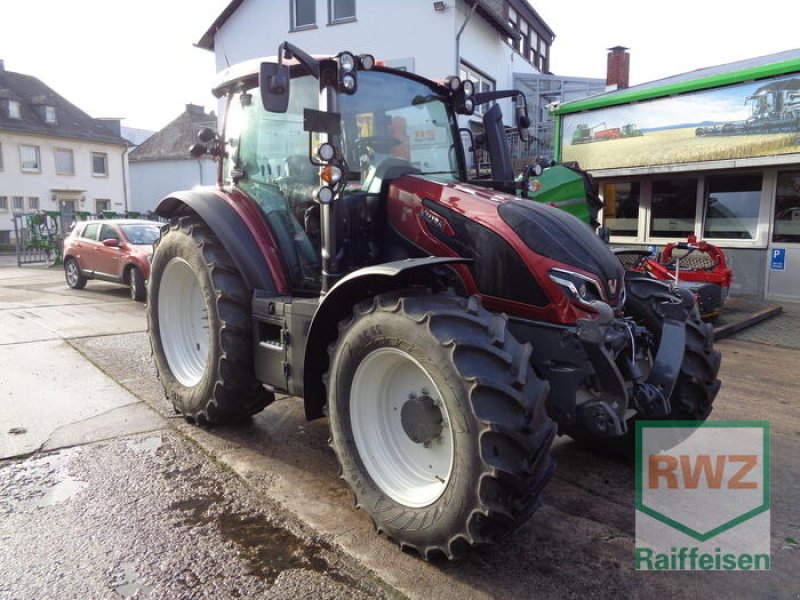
(778, 259)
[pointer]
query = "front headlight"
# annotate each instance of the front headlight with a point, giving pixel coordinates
(577, 287)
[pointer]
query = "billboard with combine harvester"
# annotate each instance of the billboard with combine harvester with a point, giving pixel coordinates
(760, 118)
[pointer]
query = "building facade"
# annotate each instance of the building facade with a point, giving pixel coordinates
(161, 164)
(488, 41)
(713, 153)
(53, 156)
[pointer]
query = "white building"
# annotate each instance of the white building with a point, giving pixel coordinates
(161, 164)
(488, 41)
(53, 156)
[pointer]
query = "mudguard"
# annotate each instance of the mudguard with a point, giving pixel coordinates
(230, 229)
(338, 304)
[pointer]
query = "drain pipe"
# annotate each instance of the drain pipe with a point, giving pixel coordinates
(458, 36)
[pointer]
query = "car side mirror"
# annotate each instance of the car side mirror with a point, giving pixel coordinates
(523, 122)
(111, 243)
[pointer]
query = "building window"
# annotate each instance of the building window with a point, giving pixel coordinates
(65, 162)
(787, 208)
(19, 203)
(304, 14)
(100, 164)
(731, 207)
(49, 114)
(3, 203)
(102, 206)
(621, 207)
(14, 109)
(341, 10)
(29, 158)
(483, 83)
(673, 208)
(33, 203)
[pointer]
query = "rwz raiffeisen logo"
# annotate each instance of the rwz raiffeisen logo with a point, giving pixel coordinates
(702, 496)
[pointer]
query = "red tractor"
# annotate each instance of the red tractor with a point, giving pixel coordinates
(445, 327)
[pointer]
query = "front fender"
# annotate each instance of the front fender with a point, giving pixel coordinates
(232, 230)
(338, 304)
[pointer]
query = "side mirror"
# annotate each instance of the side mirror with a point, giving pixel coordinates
(273, 82)
(523, 122)
(111, 243)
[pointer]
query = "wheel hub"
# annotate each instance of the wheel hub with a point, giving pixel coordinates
(421, 419)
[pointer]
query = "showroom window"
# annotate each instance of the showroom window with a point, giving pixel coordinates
(673, 207)
(731, 207)
(787, 208)
(621, 207)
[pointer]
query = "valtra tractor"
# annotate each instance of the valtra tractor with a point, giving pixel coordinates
(446, 328)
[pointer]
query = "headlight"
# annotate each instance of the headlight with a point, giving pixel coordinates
(347, 62)
(577, 287)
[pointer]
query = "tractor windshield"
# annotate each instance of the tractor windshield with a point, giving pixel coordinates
(393, 117)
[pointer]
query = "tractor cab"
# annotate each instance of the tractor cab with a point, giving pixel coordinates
(317, 154)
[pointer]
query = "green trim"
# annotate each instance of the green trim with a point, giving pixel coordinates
(707, 535)
(683, 87)
(557, 145)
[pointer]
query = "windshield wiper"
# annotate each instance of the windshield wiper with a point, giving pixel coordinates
(418, 100)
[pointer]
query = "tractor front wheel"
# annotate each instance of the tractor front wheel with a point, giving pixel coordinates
(200, 330)
(438, 421)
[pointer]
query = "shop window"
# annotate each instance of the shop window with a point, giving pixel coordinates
(673, 208)
(621, 207)
(731, 207)
(787, 208)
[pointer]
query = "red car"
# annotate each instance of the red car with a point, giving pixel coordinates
(119, 251)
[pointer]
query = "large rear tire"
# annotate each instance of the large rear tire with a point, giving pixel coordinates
(438, 421)
(200, 327)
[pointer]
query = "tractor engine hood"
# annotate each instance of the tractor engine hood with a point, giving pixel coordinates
(513, 243)
(558, 235)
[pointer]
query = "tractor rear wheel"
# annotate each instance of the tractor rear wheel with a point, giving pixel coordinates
(200, 328)
(438, 421)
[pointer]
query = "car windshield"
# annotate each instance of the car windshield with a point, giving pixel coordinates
(392, 116)
(140, 234)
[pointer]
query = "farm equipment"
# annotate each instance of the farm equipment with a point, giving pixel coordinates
(38, 238)
(444, 326)
(585, 134)
(698, 267)
(774, 108)
(564, 186)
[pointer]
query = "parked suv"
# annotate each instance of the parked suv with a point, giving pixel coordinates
(119, 251)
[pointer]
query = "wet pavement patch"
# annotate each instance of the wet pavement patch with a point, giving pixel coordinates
(38, 482)
(269, 549)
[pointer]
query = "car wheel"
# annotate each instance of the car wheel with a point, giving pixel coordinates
(73, 275)
(136, 284)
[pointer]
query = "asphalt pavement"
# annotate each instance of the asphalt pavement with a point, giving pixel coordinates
(104, 493)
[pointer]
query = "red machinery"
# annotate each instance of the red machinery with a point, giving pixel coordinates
(699, 267)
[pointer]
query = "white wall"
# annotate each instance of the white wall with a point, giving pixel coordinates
(391, 31)
(151, 181)
(13, 182)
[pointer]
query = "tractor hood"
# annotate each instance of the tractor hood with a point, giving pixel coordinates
(555, 234)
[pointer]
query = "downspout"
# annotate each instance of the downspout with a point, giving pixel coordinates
(458, 36)
(124, 180)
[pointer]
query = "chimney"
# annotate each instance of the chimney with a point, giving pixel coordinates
(618, 70)
(194, 109)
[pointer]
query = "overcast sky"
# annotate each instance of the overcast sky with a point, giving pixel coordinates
(136, 59)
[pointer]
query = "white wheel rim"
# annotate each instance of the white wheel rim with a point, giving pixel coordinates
(183, 322)
(72, 273)
(411, 473)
